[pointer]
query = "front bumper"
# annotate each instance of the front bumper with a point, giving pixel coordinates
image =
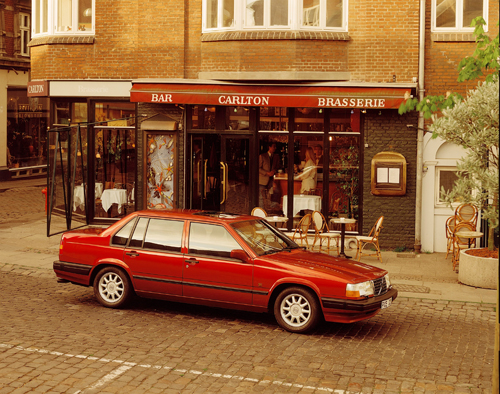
(362, 306)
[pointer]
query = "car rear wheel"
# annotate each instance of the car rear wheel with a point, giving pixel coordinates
(112, 287)
(297, 310)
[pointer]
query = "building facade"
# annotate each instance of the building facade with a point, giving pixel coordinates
(213, 84)
(20, 118)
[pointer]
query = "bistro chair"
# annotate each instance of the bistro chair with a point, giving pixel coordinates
(259, 212)
(450, 229)
(301, 231)
(467, 213)
(372, 238)
(322, 232)
(460, 243)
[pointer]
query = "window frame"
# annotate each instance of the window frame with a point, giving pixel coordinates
(459, 28)
(25, 32)
(39, 19)
(295, 17)
(438, 202)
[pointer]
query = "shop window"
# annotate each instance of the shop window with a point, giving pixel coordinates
(273, 119)
(274, 14)
(445, 180)
(203, 117)
(74, 17)
(457, 15)
(237, 118)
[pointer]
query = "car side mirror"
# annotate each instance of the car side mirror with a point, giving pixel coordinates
(239, 254)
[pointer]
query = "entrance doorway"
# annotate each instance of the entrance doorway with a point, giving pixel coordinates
(220, 173)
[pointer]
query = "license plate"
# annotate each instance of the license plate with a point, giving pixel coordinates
(386, 303)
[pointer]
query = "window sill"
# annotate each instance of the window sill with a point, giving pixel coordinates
(274, 35)
(52, 40)
(452, 36)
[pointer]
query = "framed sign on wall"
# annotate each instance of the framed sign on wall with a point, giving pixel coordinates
(388, 174)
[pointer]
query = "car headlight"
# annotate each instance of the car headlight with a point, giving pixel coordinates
(356, 290)
(387, 281)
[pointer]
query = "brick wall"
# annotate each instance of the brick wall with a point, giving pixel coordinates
(388, 132)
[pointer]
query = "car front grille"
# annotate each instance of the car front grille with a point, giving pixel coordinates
(380, 286)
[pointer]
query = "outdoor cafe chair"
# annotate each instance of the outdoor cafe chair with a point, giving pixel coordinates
(460, 243)
(372, 238)
(301, 231)
(322, 232)
(450, 229)
(259, 212)
(467, 213)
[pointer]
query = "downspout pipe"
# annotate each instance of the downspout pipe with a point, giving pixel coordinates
(420, 131)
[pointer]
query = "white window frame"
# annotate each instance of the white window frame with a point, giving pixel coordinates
(437, 197)
(458, 18)
(295, 17)
(49, 15)
(25, 30)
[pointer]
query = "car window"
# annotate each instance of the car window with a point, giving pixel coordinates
(138, 236)
(121, 237)
(164, 235)
(212, 240)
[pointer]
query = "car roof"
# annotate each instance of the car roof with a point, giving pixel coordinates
(195, 214)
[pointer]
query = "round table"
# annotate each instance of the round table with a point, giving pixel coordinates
(343, 222)
(276, 219)
(469, 234)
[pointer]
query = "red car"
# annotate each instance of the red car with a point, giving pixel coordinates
(221, 260)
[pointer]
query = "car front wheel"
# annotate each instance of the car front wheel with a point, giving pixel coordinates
(297, 310)
(112, 287)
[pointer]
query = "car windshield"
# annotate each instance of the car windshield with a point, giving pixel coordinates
(263, 238)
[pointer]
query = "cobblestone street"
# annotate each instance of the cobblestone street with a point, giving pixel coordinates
(56, 338)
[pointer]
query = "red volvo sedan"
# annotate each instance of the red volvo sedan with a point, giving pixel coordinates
(220, 260)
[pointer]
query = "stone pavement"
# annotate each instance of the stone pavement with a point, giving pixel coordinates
(23, 230)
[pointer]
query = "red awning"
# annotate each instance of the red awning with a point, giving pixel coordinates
(319, 95)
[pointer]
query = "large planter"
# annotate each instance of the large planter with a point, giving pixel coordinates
(478, 271)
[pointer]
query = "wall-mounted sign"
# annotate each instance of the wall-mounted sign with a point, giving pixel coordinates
(90, 88)
(388, 174)
(38, 89)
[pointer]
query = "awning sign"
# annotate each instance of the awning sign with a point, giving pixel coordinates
(269, 96)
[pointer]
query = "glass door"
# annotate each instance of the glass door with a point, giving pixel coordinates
(220, 173)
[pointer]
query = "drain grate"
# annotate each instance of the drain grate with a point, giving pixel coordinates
(411, 288)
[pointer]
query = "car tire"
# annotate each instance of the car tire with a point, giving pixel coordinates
(112, 287)
(297, 310)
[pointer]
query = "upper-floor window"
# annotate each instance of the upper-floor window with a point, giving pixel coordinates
(457, 15)
(274, 14)
(24, 27)
(63, 17)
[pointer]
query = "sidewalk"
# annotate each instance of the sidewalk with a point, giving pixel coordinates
(25, 245)
(425, 276)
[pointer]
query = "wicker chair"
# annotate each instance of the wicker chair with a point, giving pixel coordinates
(322, 232)
(459, 242)
(259, 212)
(301, 231)
(467, 213)
(372, 238)
(450, 229)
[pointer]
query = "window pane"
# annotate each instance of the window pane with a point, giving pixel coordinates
(254, 13)
(445, 13)
(164, 235)
(136, 241)
(228, 19)
(211, 240)
(447, 180)
(310, 16)
(334, 13)
(85, 15)
(203, 117)
(211, 14)
(121, 237)
(64, 13)
(279, 12)
(472, 9)
(45, 16)
(237, 118)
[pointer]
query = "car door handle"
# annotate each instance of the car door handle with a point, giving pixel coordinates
(132, 254)
(192, 261)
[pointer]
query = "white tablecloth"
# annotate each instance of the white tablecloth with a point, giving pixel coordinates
(79, 196)
(302, 201)
(113, 196)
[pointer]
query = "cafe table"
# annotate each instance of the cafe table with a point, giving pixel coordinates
(343, 222)
(79, 195)
(469, 235)
(114, 196)
(302, 202)
(277, 220)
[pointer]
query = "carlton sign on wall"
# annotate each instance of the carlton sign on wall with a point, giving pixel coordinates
(269, 95)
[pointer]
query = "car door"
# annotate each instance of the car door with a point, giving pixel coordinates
(209, 271)
(154, 256)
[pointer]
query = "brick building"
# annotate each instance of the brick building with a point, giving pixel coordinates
(18, 115)
(169, 104)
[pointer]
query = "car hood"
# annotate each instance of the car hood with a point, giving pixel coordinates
(348, 269)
